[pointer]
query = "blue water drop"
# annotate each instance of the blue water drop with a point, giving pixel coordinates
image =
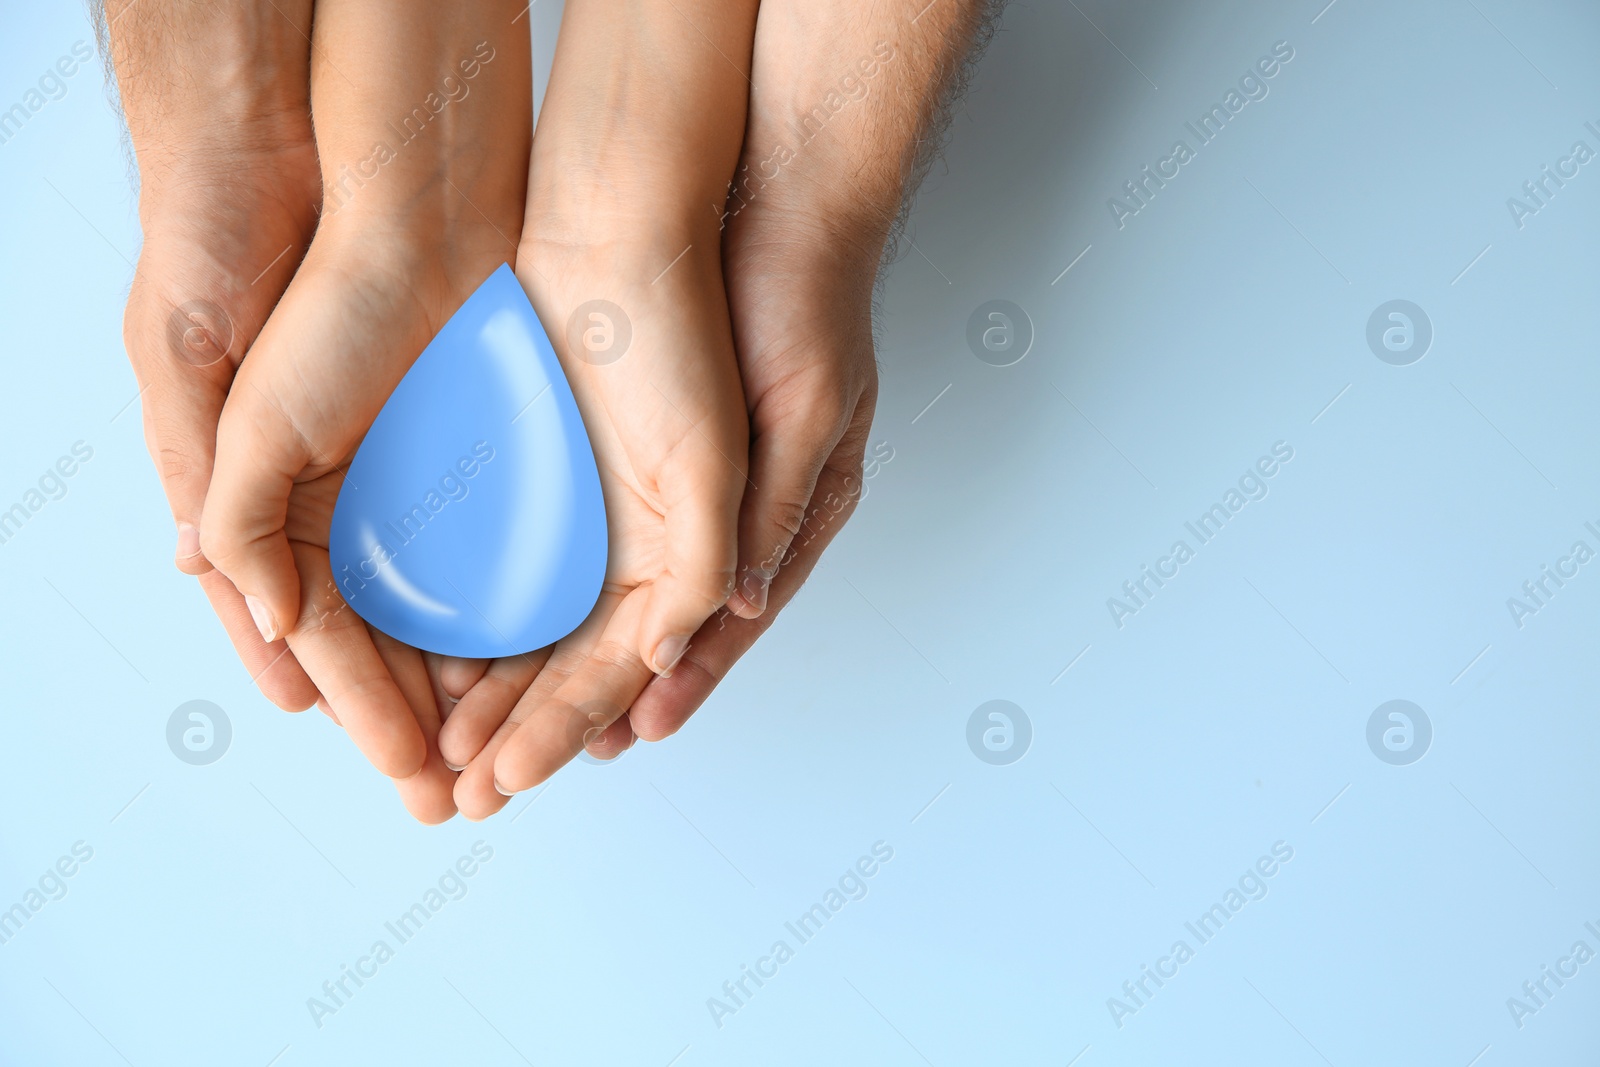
(471, 522)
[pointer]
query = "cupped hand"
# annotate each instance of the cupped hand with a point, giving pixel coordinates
(802, 316)
(668, 430)
(408, 231)
(622, 261)
(228, 200)
(833, 151)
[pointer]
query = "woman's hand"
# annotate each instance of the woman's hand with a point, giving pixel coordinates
(422, 133)
(622, 260)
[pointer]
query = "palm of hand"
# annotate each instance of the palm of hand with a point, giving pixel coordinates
(806, 359)
(337, 343)
(666, 424)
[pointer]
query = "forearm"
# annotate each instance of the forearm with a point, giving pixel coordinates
(644, 119)
(209, 90)
(842, 128)
(423, 119)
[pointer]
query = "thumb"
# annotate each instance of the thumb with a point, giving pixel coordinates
(786, 459)
(702, 509)
(784, 467)
(259, 453)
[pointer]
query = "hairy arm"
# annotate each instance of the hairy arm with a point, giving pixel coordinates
(850, 108)
(216, 99)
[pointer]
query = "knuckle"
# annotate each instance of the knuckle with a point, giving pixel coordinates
(818, 409)
(787, 514)
(698, 675)
(713, 585)
(825, 398)
(176, 464)
(160, 326)
(221, 542)
(323, 611)
(612, 654)
(706, 572)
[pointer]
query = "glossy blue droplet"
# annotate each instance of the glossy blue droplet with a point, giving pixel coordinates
(471, 522)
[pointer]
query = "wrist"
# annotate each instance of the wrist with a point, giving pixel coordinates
(625, 188)
(440, 155)
(621, 199)
(630, 234)
(441, 257)
(643, 121)
(278, 174)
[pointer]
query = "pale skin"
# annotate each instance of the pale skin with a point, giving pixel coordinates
(616, 211)
(738, 416)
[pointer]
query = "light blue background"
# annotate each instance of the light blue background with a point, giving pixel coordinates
(1223, 718)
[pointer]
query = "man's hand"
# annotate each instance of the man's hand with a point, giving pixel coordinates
(846, 101)
(229, 198)
(228, 202)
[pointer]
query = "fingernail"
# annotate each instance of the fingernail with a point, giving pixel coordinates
(502, 790)
(263, 618)
(669, 652)
(188, 540)
(750, 602)
(453, 767)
